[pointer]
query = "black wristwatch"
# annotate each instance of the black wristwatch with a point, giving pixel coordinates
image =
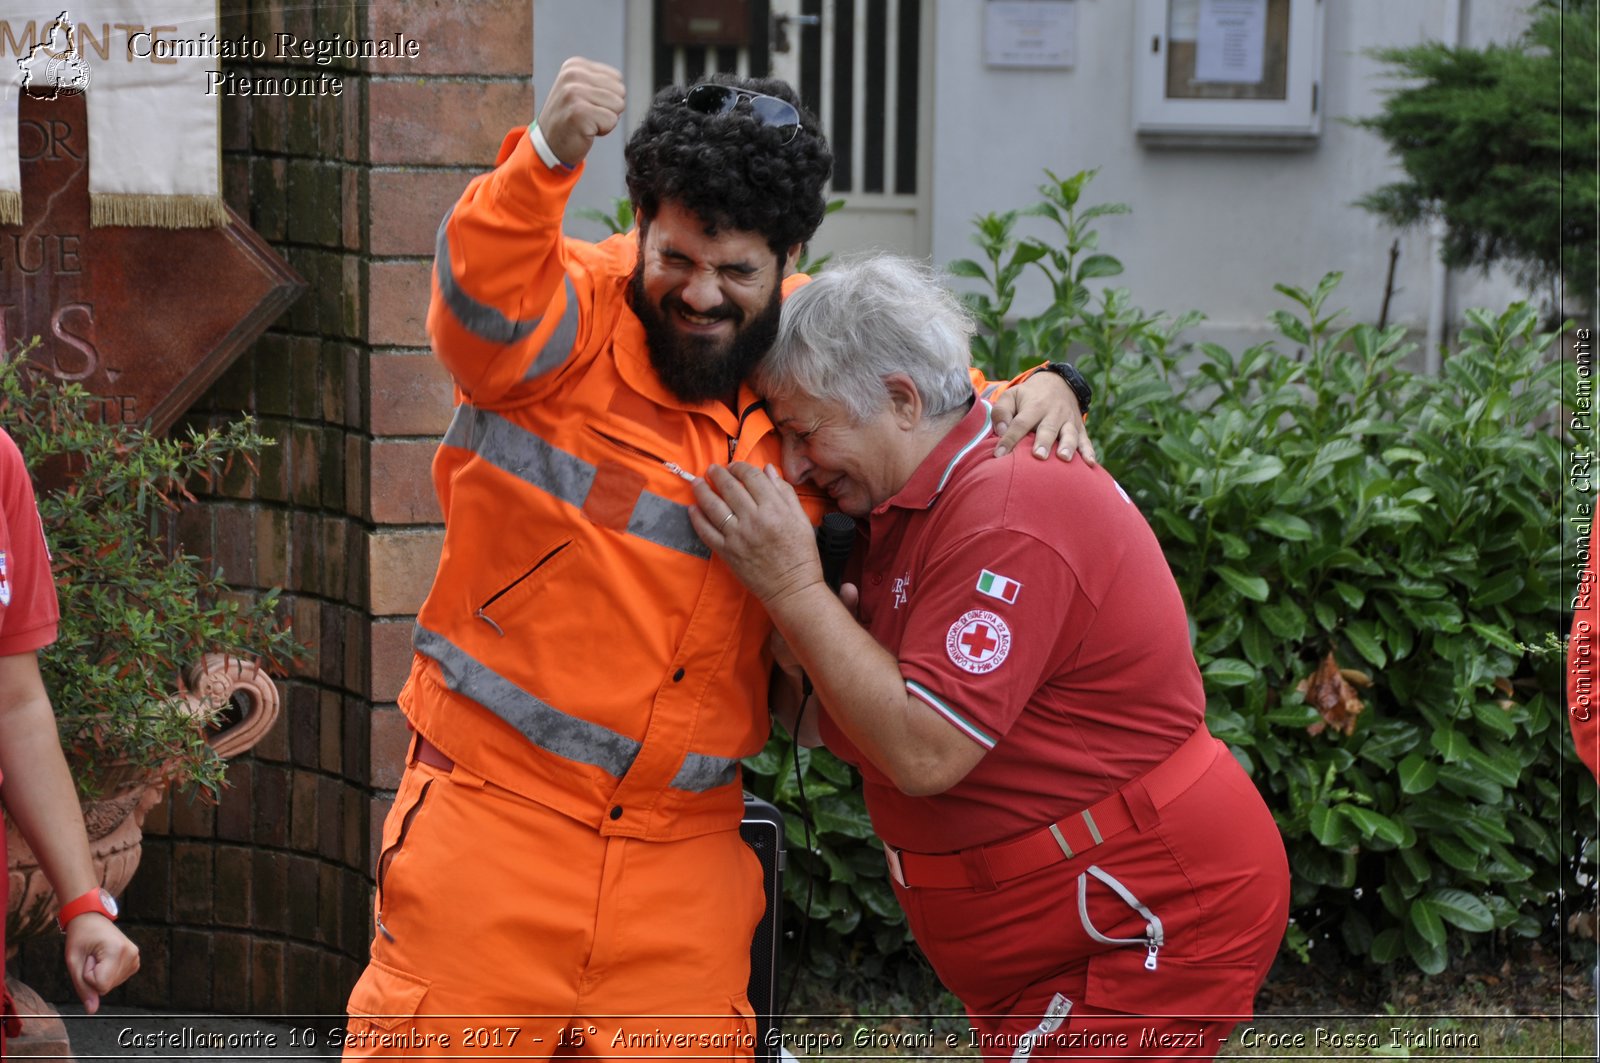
(1080, 387)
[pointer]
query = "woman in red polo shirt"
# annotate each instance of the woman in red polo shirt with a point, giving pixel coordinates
(35, 787)
(1087, 869)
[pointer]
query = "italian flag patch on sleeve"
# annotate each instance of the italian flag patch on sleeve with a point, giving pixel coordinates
(997, 586)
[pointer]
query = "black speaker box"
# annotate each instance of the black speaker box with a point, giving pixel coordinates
(762, 830)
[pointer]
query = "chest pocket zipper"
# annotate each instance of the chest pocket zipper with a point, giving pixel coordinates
(1154, 933)
(625, 445)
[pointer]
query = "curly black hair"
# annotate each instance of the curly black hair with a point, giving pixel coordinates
(732, 171)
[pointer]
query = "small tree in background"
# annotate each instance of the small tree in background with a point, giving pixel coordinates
(1500, 144)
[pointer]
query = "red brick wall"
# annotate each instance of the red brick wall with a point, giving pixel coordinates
(263, 903)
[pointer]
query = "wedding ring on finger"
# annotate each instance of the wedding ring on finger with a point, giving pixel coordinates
(723, 527)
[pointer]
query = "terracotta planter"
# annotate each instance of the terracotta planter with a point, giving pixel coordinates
(116, 822)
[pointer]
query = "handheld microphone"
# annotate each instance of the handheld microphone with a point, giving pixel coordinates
(836, 535)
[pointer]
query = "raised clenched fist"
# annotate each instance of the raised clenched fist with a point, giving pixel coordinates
(585, 102)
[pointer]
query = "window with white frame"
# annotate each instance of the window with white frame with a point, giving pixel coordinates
(1218, 73)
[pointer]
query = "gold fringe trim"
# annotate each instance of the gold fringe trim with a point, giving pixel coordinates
(10, 208)
(155, 212)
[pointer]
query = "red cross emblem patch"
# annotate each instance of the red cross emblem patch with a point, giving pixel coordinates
(978, 642)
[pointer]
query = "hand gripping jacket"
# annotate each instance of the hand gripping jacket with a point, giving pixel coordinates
(580, 645)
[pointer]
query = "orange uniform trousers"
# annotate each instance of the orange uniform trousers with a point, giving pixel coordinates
(509, 930)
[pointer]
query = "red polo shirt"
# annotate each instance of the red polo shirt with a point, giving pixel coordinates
(28, 611)
(1030, 605)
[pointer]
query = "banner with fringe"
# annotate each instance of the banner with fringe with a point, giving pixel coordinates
(146, 68)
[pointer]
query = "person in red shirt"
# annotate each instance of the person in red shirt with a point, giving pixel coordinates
(1086, 868)
(35, 786)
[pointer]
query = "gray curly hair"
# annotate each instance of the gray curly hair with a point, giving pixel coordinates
(861, 321)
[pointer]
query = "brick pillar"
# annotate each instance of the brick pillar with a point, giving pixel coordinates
(434, 122)
(260, 905)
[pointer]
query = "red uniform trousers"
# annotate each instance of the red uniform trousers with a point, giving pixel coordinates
(503, 927)
(1212, 869)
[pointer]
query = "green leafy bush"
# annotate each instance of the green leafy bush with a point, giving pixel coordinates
(1005, 346)
(1366, 555)
(1325, 505)
(134, 613)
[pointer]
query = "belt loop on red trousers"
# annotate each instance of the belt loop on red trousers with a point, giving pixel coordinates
(977, 868)
(412, 746)
(896, 872)
(1140, 805)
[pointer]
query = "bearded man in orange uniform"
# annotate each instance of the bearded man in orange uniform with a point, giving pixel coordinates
(563, 853)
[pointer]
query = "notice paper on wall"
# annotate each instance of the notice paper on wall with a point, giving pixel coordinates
(1231, 39)
(1030, 33)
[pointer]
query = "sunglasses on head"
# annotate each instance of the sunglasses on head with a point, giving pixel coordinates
(768, 110)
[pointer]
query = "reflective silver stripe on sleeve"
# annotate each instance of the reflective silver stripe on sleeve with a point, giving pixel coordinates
(490, 325)
(558, 348)
(553, 730)
(537, 462)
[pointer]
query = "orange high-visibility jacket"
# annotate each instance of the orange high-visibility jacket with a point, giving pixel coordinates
(580, 645)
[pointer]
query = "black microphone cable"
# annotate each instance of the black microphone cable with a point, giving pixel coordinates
(805, 828)
(836, 536)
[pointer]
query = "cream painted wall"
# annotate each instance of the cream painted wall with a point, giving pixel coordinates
(1210, 229)
(598, 30)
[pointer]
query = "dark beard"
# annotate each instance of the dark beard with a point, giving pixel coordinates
(691, 368)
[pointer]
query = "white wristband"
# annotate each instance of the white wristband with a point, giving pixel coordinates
(542, 146)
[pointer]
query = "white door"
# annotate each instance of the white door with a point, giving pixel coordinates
(865, 68)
